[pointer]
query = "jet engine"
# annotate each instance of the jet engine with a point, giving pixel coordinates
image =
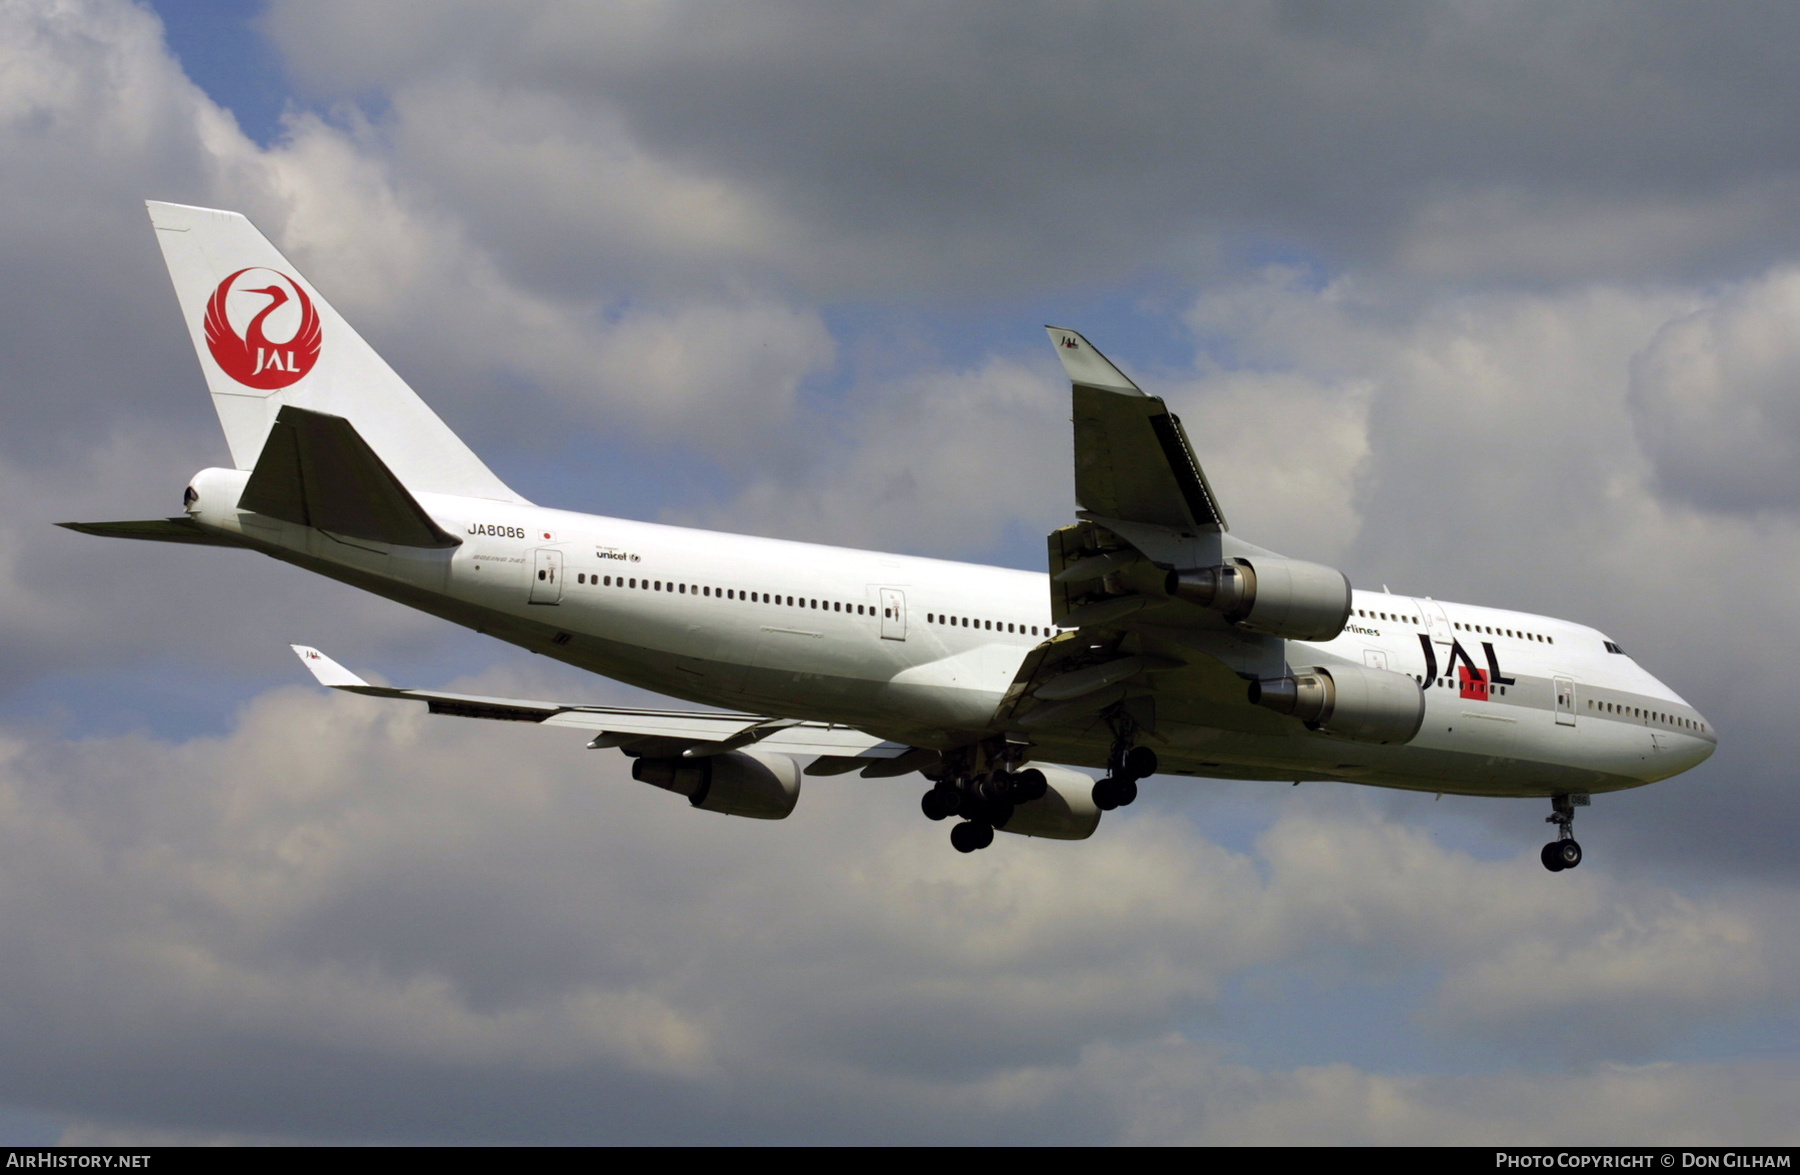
(758, 784)
(1065, 810)
(1350, 701)
(1282, 597)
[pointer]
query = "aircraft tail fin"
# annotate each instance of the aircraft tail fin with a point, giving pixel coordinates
(267, 341)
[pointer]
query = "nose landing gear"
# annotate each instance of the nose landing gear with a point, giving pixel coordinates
(1565, 851)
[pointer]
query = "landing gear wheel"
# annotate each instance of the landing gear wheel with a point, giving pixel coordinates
(1125, 790)
(969, 836)
(1107, 794)
(1029, 785)
(937, 804)
(1563, 852)
(1140, 763)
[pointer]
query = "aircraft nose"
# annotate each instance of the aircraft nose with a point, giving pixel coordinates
(1701, 744)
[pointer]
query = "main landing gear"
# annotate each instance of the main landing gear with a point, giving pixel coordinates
(1124, 767)
(985, 802)
(1565, 851)
(1119, 787)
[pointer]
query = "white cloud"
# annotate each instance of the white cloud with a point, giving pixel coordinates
(354, 881)
(937, 459)
(949, 150)
(1714, 400)
(1177, 1092)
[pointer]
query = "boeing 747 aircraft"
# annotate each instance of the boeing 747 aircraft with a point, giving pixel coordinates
(1156, 641)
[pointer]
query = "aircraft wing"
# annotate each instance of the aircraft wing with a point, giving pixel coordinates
(1133, 461)
(688, 733)
(1146, 508)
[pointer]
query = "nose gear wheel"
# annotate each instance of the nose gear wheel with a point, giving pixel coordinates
(1565, 851)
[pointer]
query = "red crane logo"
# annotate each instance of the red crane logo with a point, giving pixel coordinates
(252, 358)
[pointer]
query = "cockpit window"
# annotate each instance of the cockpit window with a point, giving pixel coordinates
(1612, 648)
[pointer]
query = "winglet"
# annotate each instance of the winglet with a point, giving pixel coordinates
(328, 672)
(1086, 365)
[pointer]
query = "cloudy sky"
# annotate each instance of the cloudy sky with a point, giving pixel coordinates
(1492, 302)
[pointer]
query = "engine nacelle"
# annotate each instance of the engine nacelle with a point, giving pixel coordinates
(1350, 701)
(1282, 597)
(759, 784)
(1066, 810)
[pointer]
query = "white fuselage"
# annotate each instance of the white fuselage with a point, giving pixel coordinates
(923, 650)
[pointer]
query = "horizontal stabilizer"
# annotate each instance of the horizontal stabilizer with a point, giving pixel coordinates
(157, 530)
(316, 471)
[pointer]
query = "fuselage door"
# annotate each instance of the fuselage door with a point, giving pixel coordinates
(546, 576)
(893, 614)
(1565, 702)
(1436, 620)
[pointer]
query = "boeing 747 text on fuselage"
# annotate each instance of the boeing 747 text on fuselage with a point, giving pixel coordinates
(1156, 641)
